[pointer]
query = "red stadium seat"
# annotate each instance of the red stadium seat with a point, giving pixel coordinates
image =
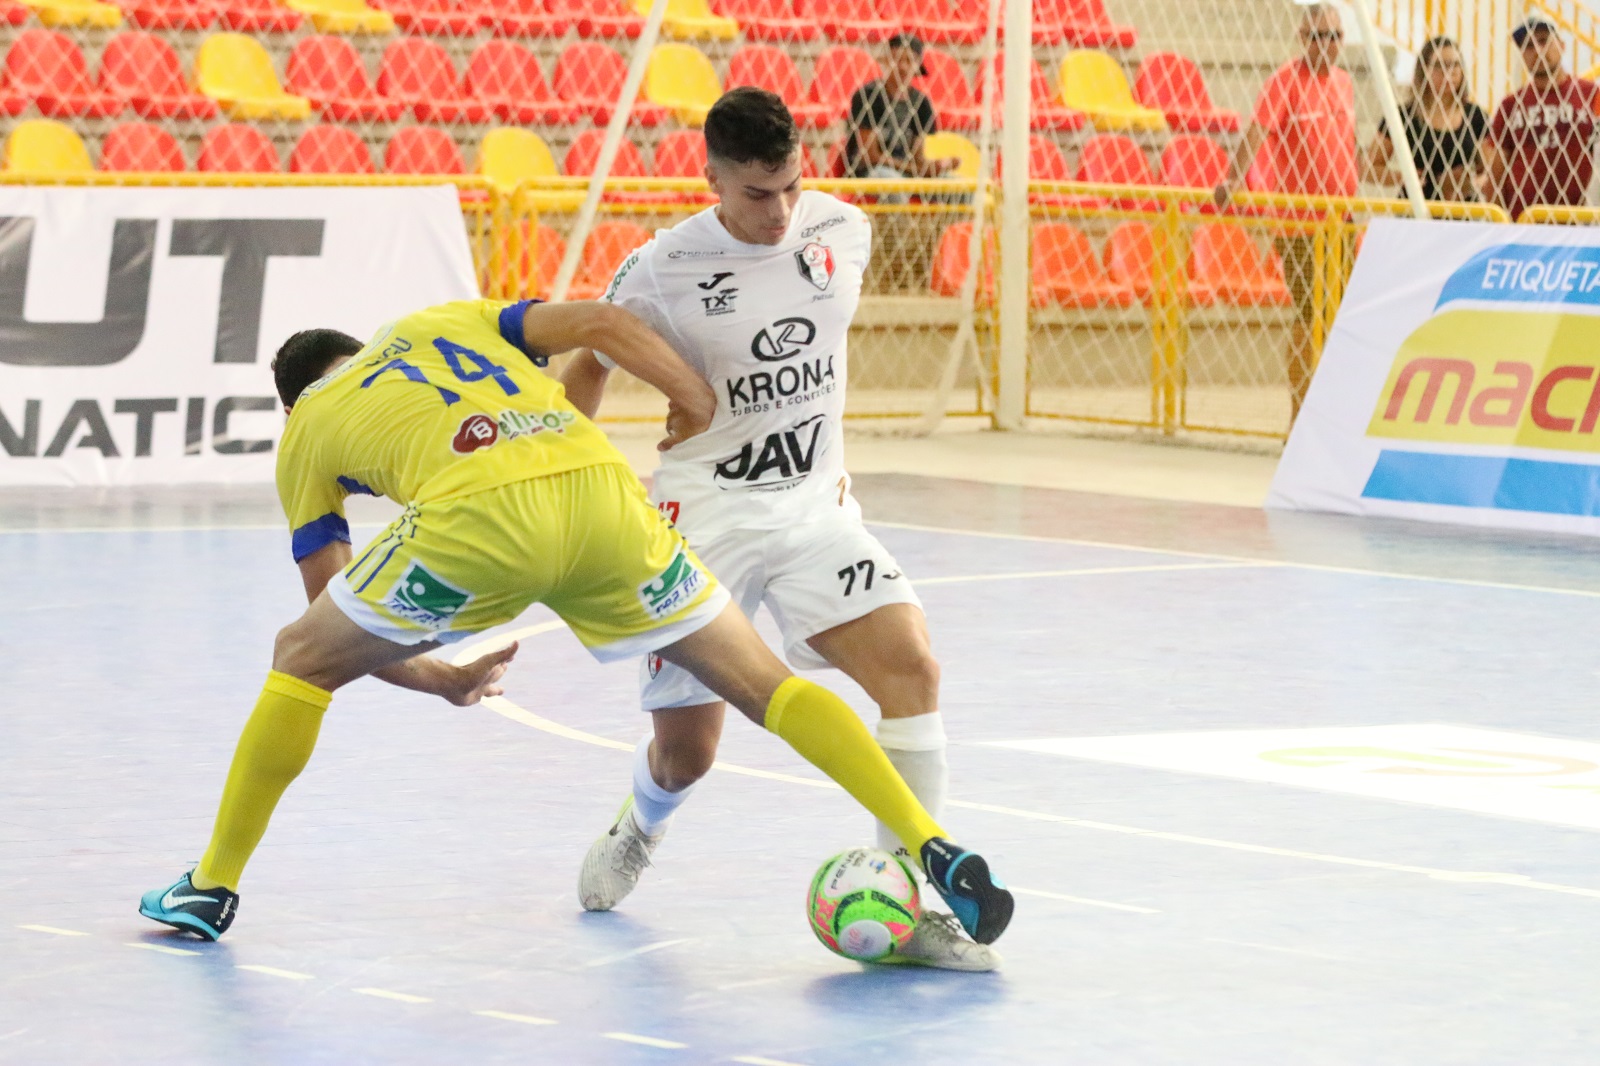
(143, 70)
(234, 148)
(418, 73)
(771, 69)
(12, 14)
(768, 20)
(1224, 257)
(330, 150)
(506, 77)
(1172, 84)
(328, 71)
(682, 154)
(937, 21)
(1191, 161)
(848, 20)
(1046, 163)
(1130, 258)
(170, 14)
(47, 67)
(258, 16)
(422, 150)
(591, 75)
(141, 148)
(1084, 23)
(1045, 109)
(946, 85)
(839, 72)
(953, 260)
(435, 18)
(525, 18)
(1065, 270)
(1113, 159)
(608, 245)
(584, 152)
(599, 18)
(541, 254)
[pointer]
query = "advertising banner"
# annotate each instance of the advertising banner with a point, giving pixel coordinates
(137, 325)
(1460, 383)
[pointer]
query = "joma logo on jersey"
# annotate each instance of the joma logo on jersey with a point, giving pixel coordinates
(784, 457)
(752, 390)
(425, 599)
(784, 339)
(672, 590)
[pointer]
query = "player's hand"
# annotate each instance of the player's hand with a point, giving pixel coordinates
(470, 683)
(688, 417)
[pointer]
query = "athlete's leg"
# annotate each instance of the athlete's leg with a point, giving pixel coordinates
(680, 754)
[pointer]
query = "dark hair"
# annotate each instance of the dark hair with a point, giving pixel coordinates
(750, 125)
(305, 357)
(1419, 69)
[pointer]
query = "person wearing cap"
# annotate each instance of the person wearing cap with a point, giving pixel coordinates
(891, 117)
(1540, 143)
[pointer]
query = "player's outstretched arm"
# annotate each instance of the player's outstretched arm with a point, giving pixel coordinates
(550, 329)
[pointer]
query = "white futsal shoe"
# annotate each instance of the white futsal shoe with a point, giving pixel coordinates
(613, 865)
(938, 941)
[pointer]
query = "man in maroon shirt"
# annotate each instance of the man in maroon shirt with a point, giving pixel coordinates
(1539, 147)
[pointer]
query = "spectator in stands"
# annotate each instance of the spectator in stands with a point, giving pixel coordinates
(1305, 116)
(890, 118)
(1443, 128)
(1539, 146)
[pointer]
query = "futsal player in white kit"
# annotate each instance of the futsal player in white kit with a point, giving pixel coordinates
(757, 294)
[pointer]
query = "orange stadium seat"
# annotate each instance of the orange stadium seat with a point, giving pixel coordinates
(422, 150)
(600, 18)
(545, 248)
(584, 152)
(946, 85)
(952, 260)
(525, 18)
(682, 154)
(418, 73)
(1045, 109)
(1191, 161)
(12, 14)
(1172, 84)
(170, 14)
(143, 70)
(1066, 271)
(234, 148)
(48, 68)
(1046, 163)
(45, 146)
(1113, 159)
(848, 20)
(838, 73)
(236, 72)
(769, 20)
(1086, 23)
(1130, 258)
(330, 150)
(328, 71)
(436, 18)
(258, 16)
(141, 148)
(590, 75)
(770, 68)
(1224, 257)
(608, 245)
(937, 21)
(506, 77)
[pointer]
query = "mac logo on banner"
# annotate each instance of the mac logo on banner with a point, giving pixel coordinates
(243, 244)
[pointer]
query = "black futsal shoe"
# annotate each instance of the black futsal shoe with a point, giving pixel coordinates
(205, 912)
(979, 899)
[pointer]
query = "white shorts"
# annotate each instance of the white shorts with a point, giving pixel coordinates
(812, 577)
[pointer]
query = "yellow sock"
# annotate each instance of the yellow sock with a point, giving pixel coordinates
(823, 728)
(273, 749)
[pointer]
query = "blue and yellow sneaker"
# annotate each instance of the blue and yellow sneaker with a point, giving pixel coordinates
(205, 912)
(978, 898)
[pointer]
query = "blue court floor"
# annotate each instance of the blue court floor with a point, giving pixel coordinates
(1234, 896)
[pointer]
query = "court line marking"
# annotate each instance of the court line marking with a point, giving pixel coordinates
(1088, 572)
(757, 1060)
(507, 709)
(525, 1019)
(1282, 950)
(161, 948)
(53, 929)
(1084, 900)
(384, 993)
(647, 949)
(273, 971)
(647, 1041)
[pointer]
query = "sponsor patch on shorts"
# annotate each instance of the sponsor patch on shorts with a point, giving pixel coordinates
(672, 590)
(425, 599)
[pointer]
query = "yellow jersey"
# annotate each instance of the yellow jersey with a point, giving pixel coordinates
(440, 403)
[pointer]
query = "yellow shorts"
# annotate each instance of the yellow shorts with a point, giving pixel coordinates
(587, 543)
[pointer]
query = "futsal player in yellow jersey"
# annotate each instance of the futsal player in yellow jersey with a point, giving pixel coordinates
(511, 497)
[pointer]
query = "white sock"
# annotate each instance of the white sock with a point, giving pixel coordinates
(652, 804)
(916, 747)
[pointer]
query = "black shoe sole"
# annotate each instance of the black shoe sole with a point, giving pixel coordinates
(995, 904)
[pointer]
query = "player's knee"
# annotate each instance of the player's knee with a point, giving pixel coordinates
(683, 764)
(917, 668)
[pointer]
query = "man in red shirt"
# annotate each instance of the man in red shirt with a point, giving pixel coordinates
(1305, 117)
(1539, 146)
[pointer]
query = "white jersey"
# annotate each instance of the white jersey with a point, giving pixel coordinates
(766, 325)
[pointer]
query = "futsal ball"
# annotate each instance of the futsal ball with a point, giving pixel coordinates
(863, 904)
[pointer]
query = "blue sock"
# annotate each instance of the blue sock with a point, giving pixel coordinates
(652, 804)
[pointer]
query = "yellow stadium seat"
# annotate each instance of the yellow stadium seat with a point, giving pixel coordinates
(343, 16)
(952, 145)
(1093, 82)
(76, 13)
(681, 77)
(691, 20)
(45, 146)
(510, 156)
(236, 71)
